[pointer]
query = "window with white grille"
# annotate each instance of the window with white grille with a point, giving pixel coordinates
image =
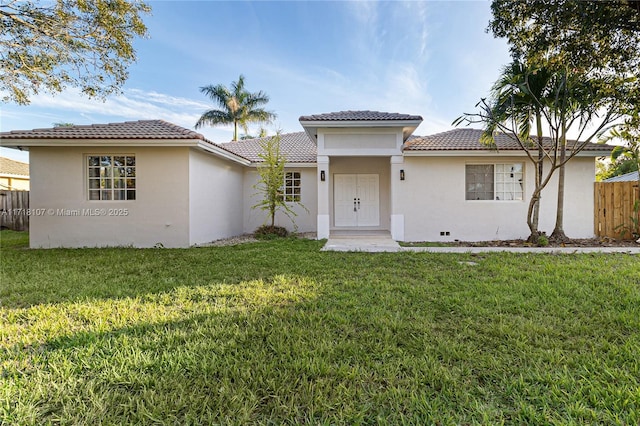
(111, 177)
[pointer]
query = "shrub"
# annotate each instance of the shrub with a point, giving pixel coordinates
(268, 232)
(543, 241)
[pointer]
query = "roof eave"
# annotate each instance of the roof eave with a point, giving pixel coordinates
(292, 165)
(13, 175)
(311, 126)
(27, 142)
(221, 152)
(360, 123)
(486, 153)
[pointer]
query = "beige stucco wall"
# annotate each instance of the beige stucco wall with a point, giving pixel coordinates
(186, 196)
(14, 183)
(433, 200)
(215, 198)
(363, 165)
(305, 219)
(159, 215)
(360, 141)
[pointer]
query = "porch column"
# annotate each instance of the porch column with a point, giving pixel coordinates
(323, 197)
(397, 185)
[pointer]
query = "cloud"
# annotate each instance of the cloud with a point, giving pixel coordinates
(132, 104)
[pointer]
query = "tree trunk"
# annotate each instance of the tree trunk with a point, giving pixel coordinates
(235, 131)
(534, 207)
(533, 213)
(558, 231)
(535, 220)
(532, 217)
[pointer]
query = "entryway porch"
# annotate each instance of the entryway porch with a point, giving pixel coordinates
(358, 240)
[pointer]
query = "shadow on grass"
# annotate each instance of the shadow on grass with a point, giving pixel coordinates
(33, 277)
(293, 356)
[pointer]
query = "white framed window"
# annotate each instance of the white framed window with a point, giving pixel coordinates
(111, 177)
(499, 182)
(292, 187)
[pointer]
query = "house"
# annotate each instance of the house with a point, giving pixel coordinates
(627, 177)
(152, 183)
(14, 175)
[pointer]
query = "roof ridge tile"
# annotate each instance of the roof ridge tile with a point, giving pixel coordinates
(359, 115)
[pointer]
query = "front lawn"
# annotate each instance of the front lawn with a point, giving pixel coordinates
(279, 333)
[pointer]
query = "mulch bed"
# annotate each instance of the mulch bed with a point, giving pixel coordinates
(580, 242)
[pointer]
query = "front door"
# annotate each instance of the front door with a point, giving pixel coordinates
(356, 200)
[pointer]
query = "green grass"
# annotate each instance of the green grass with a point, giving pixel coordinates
(279, 333)
(14, 239)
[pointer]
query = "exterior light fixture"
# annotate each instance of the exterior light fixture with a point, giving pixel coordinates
(322, 176)
(402, 174)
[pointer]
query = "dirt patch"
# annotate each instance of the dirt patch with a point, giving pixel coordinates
(249, 238)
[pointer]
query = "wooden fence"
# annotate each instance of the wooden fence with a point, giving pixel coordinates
(614, 208)
(14, 210)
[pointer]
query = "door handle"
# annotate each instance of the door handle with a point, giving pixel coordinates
(354, 205)
(358, 203)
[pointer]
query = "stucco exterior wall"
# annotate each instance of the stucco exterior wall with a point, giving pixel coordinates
(305, 219)
(363, 165)
(158, 215)
(215, 198)
(14, 183)
(359, 142)
(433, 201)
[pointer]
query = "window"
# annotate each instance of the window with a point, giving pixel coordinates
(494, 182)
(292, 186)
(112, 177)
(480, 182)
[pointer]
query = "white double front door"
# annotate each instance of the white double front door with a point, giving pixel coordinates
(356, 200)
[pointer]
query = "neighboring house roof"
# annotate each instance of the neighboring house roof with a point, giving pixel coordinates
(627, 177)
(360, 116)
(13, 167)
(296, 147)
(469, 140)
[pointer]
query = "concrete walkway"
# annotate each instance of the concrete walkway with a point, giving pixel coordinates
(384, 243)
(365, 243)
(555, 250)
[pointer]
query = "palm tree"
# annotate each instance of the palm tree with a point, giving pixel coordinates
(560, 99)
(519, 96)
(582, 100)
(237, 106)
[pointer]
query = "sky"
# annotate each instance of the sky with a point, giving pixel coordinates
(431, 58)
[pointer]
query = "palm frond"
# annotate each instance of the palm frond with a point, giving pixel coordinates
(260, 115)
(218, 94)
(214, 117)
(237, 106)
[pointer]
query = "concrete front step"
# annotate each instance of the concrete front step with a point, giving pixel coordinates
(361, 243)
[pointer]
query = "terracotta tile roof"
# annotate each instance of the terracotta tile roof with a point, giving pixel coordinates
(13, 167)
(128, 130)
(469, 140)
(142, 129)
(360, 116)
(297, 148)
